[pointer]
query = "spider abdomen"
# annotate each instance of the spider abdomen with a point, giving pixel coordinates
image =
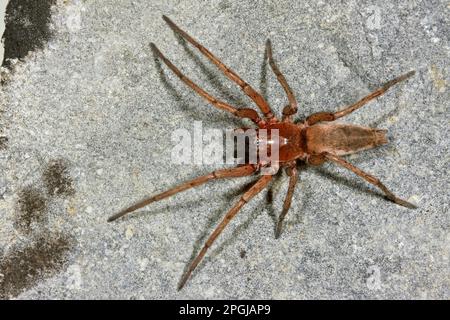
(342, 139)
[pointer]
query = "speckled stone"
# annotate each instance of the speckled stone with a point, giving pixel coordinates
(95, 98)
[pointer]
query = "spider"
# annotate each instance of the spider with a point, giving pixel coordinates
(313, 141)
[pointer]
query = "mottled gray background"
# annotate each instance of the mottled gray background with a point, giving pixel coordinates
(95, 101)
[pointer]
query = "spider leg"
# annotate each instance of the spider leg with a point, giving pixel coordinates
(246, 197)
(329, 116)
(291, 108)
(371, 179)
(242, 113)
(240, 171)
(248, 90)
(293, 178)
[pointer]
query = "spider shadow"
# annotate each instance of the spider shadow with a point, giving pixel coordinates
(383, 118)
(381, 101)
(213, 79)
(213, 221)
(263, 84)
(162, 210)
(352, 183)
(274, 189)
(192, 111)
(212, 76)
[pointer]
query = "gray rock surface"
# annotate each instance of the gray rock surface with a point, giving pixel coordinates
(88, 122)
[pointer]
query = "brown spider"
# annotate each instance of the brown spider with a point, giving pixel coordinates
(314, 141)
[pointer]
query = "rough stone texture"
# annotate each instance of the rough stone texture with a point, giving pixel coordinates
(95, 100)
(27, 28)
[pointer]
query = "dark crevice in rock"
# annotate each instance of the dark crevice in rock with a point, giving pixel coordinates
(26, 28)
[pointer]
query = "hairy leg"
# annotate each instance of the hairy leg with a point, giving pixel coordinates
(330, 116)
(246, 197)
(240, 171)
(293, 178)
(246, 88)
(291, 108)
(242, 113)
(369, 178)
